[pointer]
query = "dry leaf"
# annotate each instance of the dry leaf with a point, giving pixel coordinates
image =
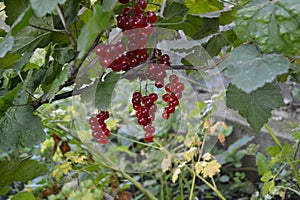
(175, 174)
(189, 155)
(207, 156)
(221, 138)
(126, 195)
(211, 169)
(199, 167)
(166, 164)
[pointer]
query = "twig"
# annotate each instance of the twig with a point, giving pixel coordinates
(63, 21)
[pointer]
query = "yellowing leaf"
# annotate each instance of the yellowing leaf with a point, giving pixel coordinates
(46, 144)
(112, 124)
(166, 164)
(60, 170)
(211, 169)
(207, 156)
(189, 155)
(203, 6)
(221, 138)
(175, 175)
(199, 167)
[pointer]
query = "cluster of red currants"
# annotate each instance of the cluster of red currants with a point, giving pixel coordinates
(145, 112)
(99, 129)
(174, 91)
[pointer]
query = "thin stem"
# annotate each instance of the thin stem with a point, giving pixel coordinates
(296, 151)
(272, 134)
(276, 140)
(63, 21)
(193, 186)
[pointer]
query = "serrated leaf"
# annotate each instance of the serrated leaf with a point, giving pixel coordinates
(20, 127)
(211, 169)
(199, 167)
(6, 45)
(41, 8)
(189, 155)
(273, 24)
(19, 170)
(98, 22)
(203, 6)
(262, 164)
(105, 91)
(256, 106)
(249, 70)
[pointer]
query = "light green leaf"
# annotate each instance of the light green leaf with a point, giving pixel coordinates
(98, 22)
(41, 8)
(249, 70)
(108, 5)
(273, 24)
(203, 6)
(262, 164)
(19, 170)
(267, 176)
(239, 143)
(256, 106)
(20, 127)
(6, 45)
(105, 91)
(23, 196)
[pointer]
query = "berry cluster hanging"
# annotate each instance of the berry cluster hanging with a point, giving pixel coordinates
(124, 57)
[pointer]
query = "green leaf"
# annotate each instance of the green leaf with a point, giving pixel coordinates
(7, 100)
(245, 64)
(71, 11)
(256, 106)
(9, 60)
(249, 70)
(189, 25)
(13, 10)
(105, 91)
(6, 45)
(203, 6)
(20, 127)
(23, 196)
(98, 22)
(273, 24)
(41, 8)
(267, 176)
(175, 10)
(19, 170)
(21, 21)
(239, 143)
(55, 87)
(209, 26)
(262, 164)
(273, 150)
(108, 5)
(29, 39)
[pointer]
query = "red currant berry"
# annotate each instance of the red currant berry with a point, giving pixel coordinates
(153, 97)
(148, 137)
(166, 97)
(151, 16)
(165, 115)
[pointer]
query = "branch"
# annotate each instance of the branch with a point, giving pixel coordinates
(63, 21)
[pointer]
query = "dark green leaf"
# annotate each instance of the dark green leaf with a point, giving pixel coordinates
(98, 22)
(21, 21)
(19, 127)
(23, 196)
(273, 24)
(262, 164)
(256, 106)
(55, 87)
(71, 12)
(13, 10)
(209, 26)
(175, 10)
(190, 24)
(19, 170)
(9, 60)
(41, 8)
(6, 45)
(105, 91)
(7, 100)
(249, 70)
